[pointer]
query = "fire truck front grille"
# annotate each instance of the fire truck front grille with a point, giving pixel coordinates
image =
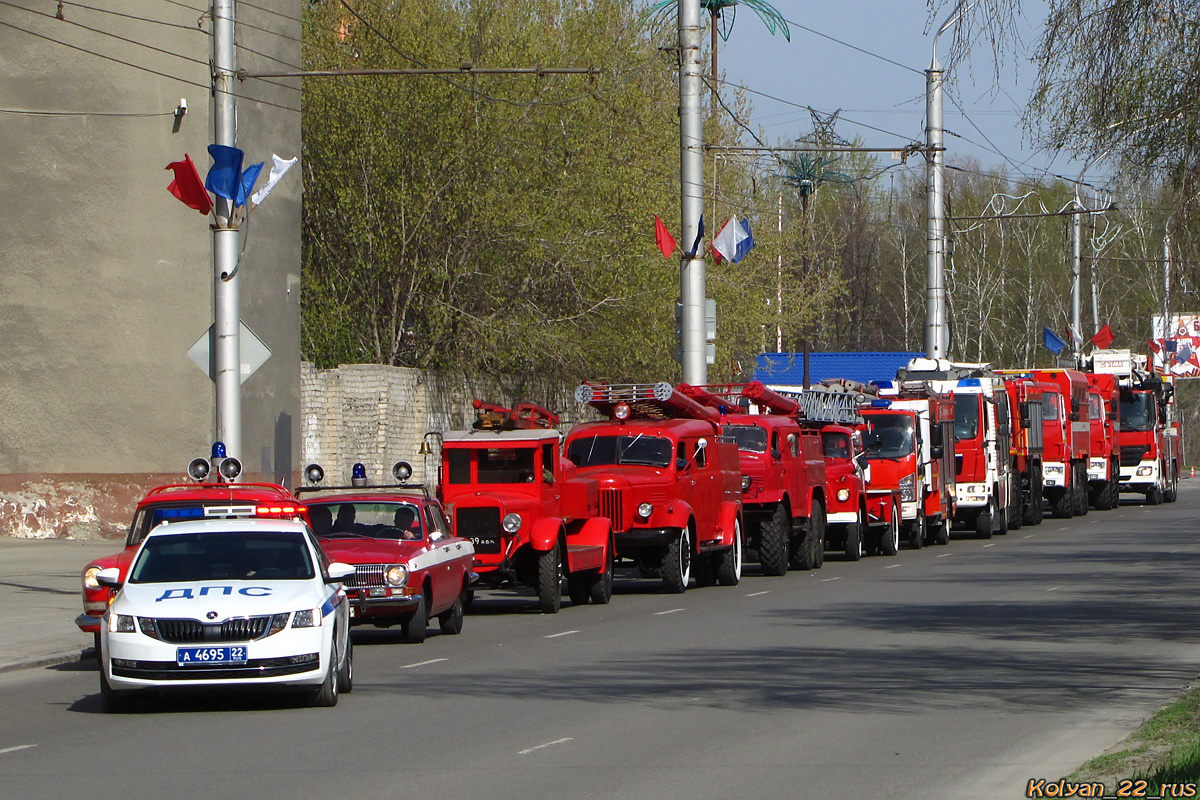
(481, 526)
(192, 631)
(365, 575)
(1131, 456)
(610, 506)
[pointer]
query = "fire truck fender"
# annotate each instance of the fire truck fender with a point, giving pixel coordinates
(730, 518)
(595, 532)
(544, 533)
(675, 515)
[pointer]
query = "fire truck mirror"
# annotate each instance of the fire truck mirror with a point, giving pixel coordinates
(1074, 416)
(1025, 423)
(935, 451)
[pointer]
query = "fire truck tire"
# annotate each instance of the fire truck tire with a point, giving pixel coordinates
(647, 570)
(1081, 498)
(345, 676)
(940, 532)
(677, 563)
(1002, 522)
(773, 535)
(326, 695)
(1062, 503)
(983, 523)
(450, 621)
(578, 588)
(729, 562)
(817, 533)
(854, 538)
(889, 544)
(1154, 497)
(1172, 492)
(415, 626)
(549, 580)
(600, 590)
(112, 701)
(1033, 510)
(704, 569)
(916, 532)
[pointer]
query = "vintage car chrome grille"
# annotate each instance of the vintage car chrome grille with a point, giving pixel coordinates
(192, 631)
(365, 575)
(611, 507)
(481, 526)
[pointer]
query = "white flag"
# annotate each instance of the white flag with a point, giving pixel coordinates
(277, 171)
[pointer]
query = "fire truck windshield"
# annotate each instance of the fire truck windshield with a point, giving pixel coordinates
(1137, 412)
(836, 445)
(749, 438)
(889, 436)
(1050, 408)
(966, 416)
(650, 451)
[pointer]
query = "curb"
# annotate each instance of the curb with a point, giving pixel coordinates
(50, 660)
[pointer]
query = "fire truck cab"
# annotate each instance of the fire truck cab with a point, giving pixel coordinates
(530, 515)
(1104, 462)
(1068, 441)
(1025, 397)
(668, 479)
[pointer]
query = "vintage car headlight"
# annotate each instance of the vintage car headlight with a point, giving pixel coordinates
(908, 489)
(89, 578)
(308, 618)
(511, 523)
(120, 623)
(843, 495)
(396, 575)
(645, 510)
(745, 482)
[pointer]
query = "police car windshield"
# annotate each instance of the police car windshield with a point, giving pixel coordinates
(749, 438)
(378, 520)
(650, 451)
(223, 556)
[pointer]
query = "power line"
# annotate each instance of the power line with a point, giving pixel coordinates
(853, 47)
(31, 113)
(119, 14)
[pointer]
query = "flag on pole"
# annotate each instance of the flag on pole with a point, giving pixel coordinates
(699, 238)
(746, 244)
(246, 183)
(1053, 343)
(1075, 337)
(187, 185)
(732, 242)
(224, 176)
(663, 238)
(1183, 353)
(280, 168)
(1103, 337)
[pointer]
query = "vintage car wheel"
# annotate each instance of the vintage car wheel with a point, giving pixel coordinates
(416, 625)
(600, 591)
(677, 563)
(549, 580)
(326, 696)
(773, 542)
(704, 569)
(729, 563)
(345, 676)
(451, 620)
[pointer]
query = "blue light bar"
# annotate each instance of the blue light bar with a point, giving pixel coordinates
(179, 513)
(970, 382)
(880, 403)
(359, 471)
(218, 450)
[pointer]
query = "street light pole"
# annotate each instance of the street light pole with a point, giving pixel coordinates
(691, 161)
(226, 335)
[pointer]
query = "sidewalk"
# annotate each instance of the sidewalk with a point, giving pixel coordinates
(40, 598)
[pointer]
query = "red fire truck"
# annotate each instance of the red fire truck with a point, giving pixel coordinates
(1028, 436)
(1068, 441)
(530, 515)
(669, 481)
(1104, 459)
(783, 472)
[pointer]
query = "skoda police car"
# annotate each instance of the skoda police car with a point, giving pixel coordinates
(220, 603)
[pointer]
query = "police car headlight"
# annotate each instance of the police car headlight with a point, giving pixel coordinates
(396, 575)
(278, 623)
(645, 510)
(511, 523)
(89, 578)
(843, 495)
(120, 623)
(148, 627)
(308, 618)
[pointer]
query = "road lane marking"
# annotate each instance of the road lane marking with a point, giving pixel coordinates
(827, 580)
(993, 544)
(1094, 522)
(945, 555)
(556, 635)
(892, 566)
(1052, 589)
(15, 749)
(672, 611)
(529, 750)
(1030, 535)
(1063, 528)
(424, 663)
(756, 594)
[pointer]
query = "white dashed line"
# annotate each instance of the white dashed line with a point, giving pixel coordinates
(529, 750)
(993, 544)
(1030, 535)
(15, 749)
(827, 580)
(556, 635)
(1052, 589)
(945, 555)
(1063, 528)
(424, 663)
(756, 594)
(892, 566)
(672, 611)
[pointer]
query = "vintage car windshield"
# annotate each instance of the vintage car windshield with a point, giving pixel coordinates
(966, 416)
(749, 438)
(223, 556)
(836, 445)
(651, 451)
(1137, 413)
(889, 436)
(492, 464)
(377, 520)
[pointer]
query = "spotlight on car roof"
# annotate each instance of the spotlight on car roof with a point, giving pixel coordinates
(402, 471)
(230, 468)
(358, 475)
(313, 473)
(198, 469)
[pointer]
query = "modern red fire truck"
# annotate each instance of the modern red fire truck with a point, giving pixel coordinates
(531, 516)
(1068, 441)
(1104, 458)
(669, 482)
(1025, 398)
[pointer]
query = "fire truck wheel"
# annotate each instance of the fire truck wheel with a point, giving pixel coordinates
(773, 542)
(578, 588)
(817, 533)
(112, 701)
(1172, 492)
(704, 569)
(345, 676)
(1062, 503)
(916, 532)
(600, 590)
(677, 563)
(889, 545)
(1154, 497)
(1033, 510)
(940, 532)
(854, 538)
(450, 621)
(729, 563)
(549, 580)
(1002, 522)
(983, 522)
(1081, 499)
(414, 627)
(468, 598)
(649, 570)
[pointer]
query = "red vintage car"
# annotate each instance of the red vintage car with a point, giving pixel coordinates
(214, 495)
(408, 567)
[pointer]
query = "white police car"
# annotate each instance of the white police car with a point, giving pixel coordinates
(227, 603)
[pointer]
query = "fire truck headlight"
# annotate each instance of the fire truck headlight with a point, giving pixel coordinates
(396, 575)
(645, 510)
(621, 411)
(745, 482)
(1053, 469)
(1145, 470)
(511, 523)
(843, 495)
(89, 578)
(908, 489)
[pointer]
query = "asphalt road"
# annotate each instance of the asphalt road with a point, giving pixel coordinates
(959, 671)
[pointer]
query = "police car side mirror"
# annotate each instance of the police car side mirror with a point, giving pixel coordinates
(110, 577)
(338, 572)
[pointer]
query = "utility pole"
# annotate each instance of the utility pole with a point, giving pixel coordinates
(1166, 283)
(1076, 270)
(691, 162)
(227, 355)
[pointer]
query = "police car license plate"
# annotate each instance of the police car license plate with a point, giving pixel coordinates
(205, 656)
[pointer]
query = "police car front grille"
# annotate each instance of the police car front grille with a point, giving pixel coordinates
(193, 631)
(365, 575)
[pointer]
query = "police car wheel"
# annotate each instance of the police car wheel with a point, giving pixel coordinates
(345, 676)
(451, 620)
(112, 701)
(326, 696)
(416, 625)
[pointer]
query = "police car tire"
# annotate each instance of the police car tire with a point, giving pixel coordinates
(345, 676)
(415, 626)
(676, 567)
(549, 580)
(112, 701)
(600, 591)
(729, 563)
(450, 621)
(326, 695)
(773, 542)
(578, 588)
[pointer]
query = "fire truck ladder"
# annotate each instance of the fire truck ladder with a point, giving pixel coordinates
(642, 400)
(525, 416)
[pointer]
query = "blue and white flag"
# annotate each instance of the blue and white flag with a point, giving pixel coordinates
(279, 169)
(745, 245)
(733, 241)
(246, 183)
(224, 176)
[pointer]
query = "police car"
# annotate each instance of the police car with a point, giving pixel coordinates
(220, 603)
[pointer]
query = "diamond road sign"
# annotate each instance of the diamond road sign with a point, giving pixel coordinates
(253, 351)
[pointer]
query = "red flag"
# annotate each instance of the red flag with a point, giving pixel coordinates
(663, 238)
(1103, 338)
(187, 185)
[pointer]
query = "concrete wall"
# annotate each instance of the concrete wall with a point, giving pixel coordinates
(105, 279)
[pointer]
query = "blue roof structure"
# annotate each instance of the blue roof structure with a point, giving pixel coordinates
(787, 369)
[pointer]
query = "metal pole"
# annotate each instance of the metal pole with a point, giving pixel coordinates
(691, 162)
(935, 193)
(226, 313)
(1076, 269)
(1166, 284)
(779, 285)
